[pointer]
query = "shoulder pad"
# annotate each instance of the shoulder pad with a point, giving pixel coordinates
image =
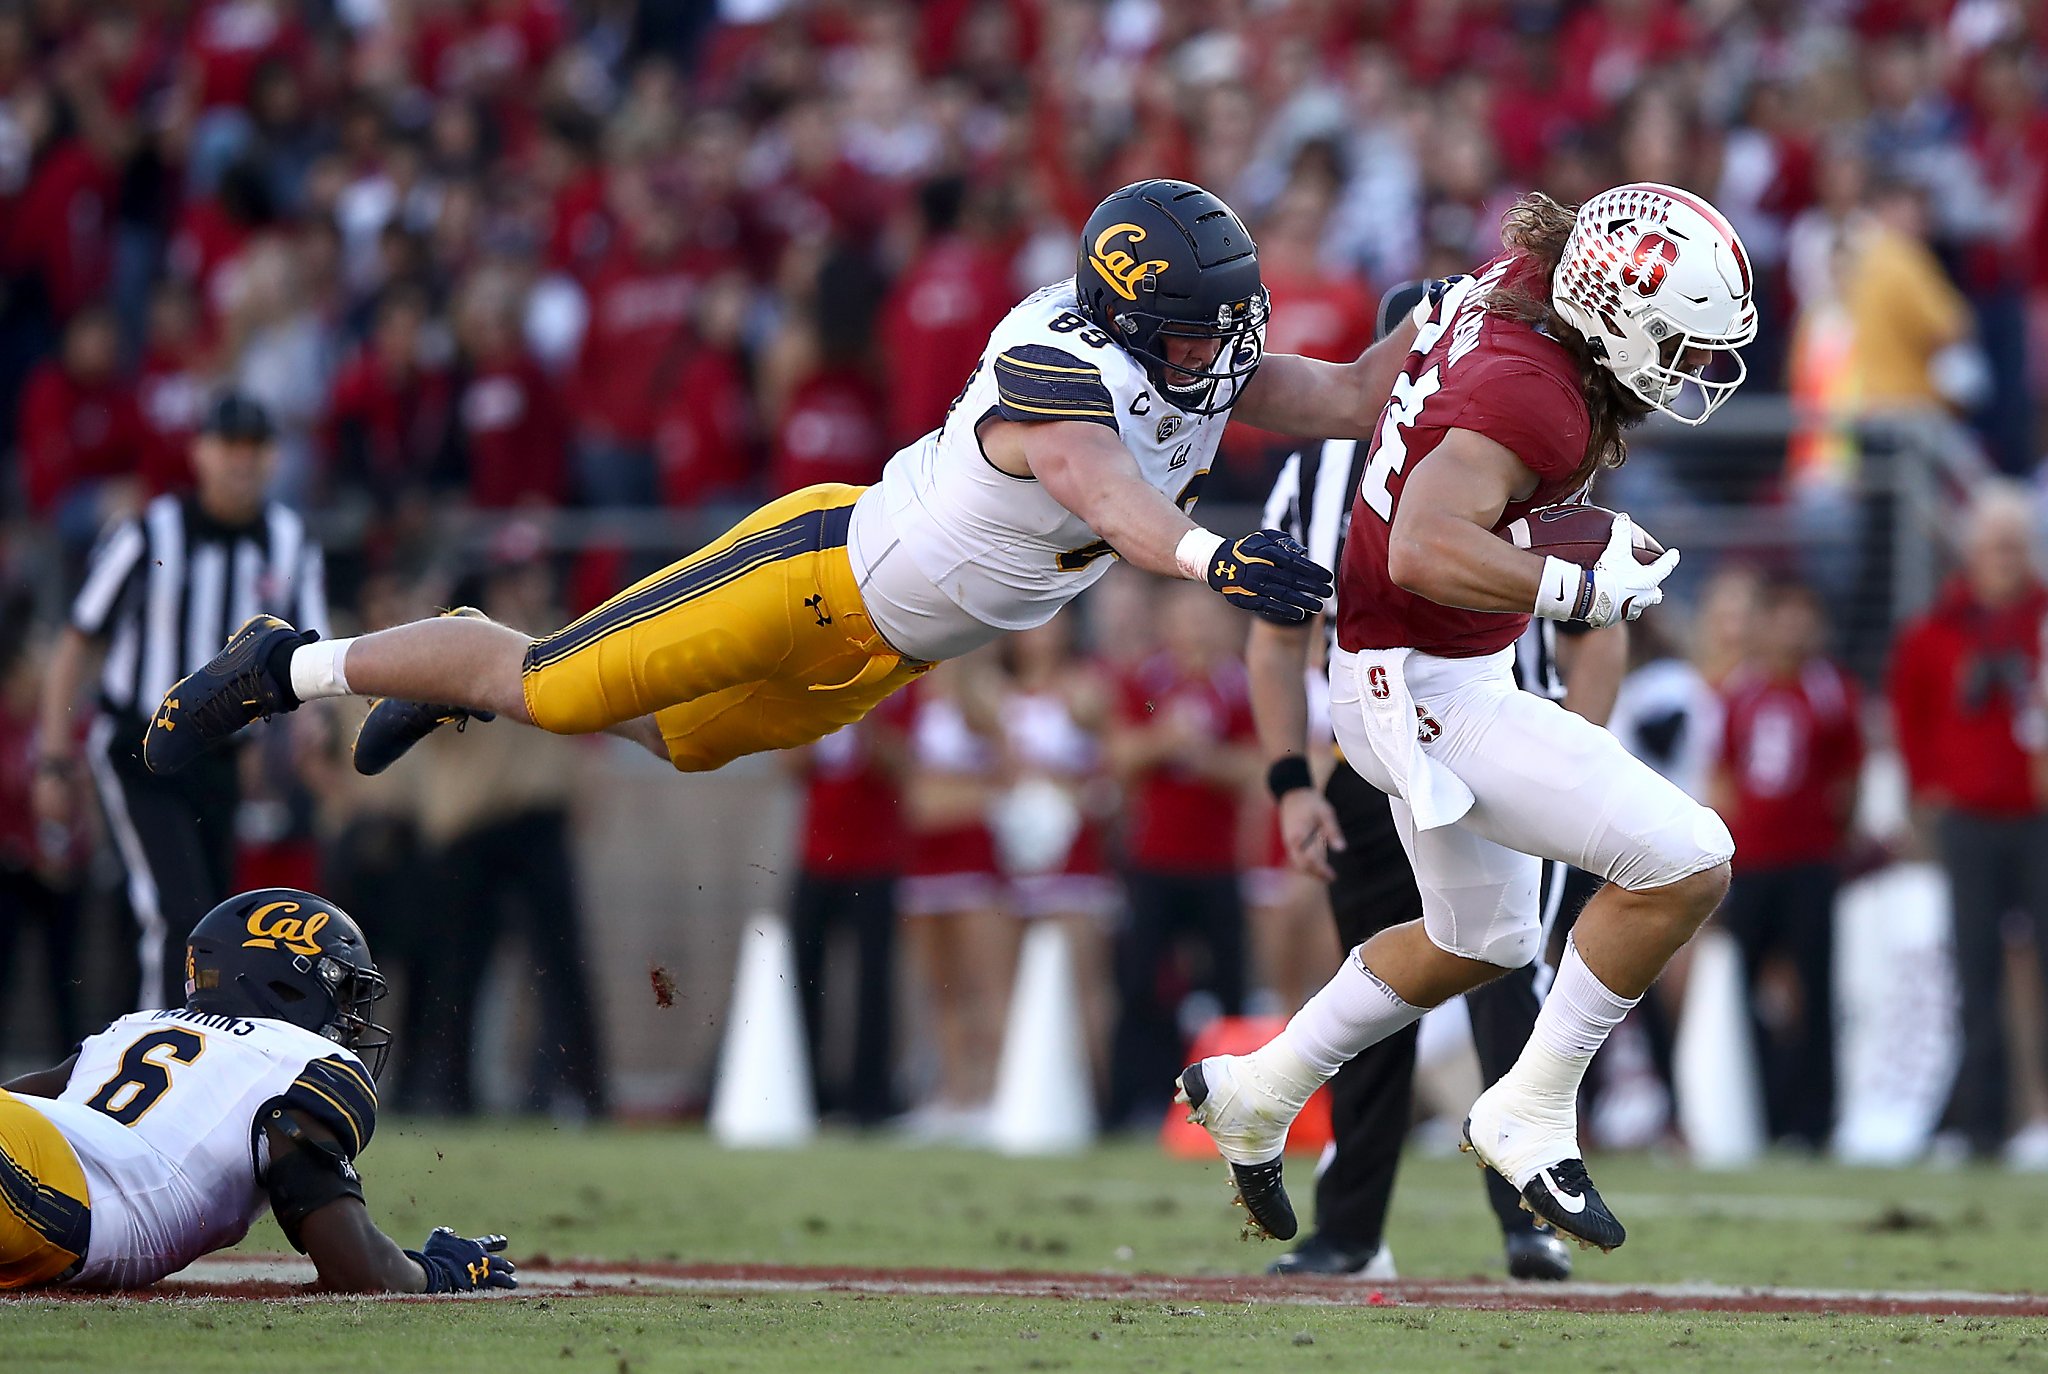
(337, 1093)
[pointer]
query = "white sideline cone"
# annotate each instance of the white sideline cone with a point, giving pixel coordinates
(1043, 1104)
(763, 1099)
(1720, 1101)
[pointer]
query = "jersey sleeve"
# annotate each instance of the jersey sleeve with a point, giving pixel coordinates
(1529, 412)
(112, 564)
(1036, 383)
(336, 1092)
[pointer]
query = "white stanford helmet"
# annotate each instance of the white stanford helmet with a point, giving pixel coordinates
(1657, 281)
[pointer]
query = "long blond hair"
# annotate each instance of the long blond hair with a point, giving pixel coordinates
(1538, 227)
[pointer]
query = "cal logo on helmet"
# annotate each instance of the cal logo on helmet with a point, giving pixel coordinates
(293, 933)
(1119, 267)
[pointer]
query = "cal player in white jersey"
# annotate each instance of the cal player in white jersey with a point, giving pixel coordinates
(1084, 431)
(168, 1133)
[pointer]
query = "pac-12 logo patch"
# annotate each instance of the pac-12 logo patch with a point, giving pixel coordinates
(1169, 425)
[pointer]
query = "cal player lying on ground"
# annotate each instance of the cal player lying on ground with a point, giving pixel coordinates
(168, 1132)
(1084, 432)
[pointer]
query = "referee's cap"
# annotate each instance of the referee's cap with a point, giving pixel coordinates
(240, 417)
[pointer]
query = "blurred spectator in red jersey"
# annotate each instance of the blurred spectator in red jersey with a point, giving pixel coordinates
(1791, 753)
(58, 232)
(853, 849)
(955, 288)
(514, 432)
(171, 385)
(831, 425)
(1608, 48)
(81, 436)
(1185, 748)
(639, 336)
(1967, 710)
(1320, 310)
(704, 436)
(391, 420)
(566, 172)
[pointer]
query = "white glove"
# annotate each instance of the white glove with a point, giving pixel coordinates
(1615, 588)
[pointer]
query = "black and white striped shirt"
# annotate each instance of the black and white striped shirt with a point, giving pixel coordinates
(167, 588)
(1312, 499)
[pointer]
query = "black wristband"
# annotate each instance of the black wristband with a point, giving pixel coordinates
(441, 1272)
(1288, 774)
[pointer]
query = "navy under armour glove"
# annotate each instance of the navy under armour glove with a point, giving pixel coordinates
(456, 1264)
(1271, 575)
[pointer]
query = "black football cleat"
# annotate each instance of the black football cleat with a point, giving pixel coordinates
(1538, 1254)
(235, 688)
(1564, 1196)
(1243, 1129)
(394, 726)
(1321, 1257)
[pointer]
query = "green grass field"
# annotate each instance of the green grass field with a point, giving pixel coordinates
(654, 1195)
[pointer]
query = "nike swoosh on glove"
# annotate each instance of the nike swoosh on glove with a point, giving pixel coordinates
(1621, 588)
(1271, 575)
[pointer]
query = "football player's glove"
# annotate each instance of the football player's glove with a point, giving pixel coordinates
(1617, 587)
(1271, 575)
(456, 1264)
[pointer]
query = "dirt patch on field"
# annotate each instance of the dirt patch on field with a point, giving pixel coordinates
(230, 1277)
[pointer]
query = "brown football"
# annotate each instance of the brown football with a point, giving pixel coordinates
(1575, 532)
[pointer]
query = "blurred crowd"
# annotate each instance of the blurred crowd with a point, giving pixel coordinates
(524, 256)
(606, 253)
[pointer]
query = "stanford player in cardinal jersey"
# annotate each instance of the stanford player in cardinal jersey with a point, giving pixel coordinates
(1504, 392)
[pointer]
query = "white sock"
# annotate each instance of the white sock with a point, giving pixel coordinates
(1577, 1017)
(316, 669)
(1351, 1012)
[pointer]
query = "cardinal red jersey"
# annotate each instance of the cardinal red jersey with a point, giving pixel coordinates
(1792, 748)
(1470, 369)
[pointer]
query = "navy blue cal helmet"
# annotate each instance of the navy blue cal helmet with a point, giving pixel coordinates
(1162, 259)
(288, 955)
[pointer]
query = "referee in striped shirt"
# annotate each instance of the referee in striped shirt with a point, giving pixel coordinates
(162, 591)
(1346, 836)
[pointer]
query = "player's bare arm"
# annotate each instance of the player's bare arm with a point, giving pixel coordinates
(1442, 545)
(1315, 399)
(1087, 469)
(1275, 658)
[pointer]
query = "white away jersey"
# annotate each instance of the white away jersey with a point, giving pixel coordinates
(161, 1110)
(1003, 553)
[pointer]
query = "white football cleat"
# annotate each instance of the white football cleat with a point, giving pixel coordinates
(1535, 1147)
(1249, 1124)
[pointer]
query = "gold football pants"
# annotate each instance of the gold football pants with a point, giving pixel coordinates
(45, 1220)
(757, 641)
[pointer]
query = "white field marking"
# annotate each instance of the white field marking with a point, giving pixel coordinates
(1218, 1290)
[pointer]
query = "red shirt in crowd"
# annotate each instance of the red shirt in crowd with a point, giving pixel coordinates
(832, 432)
(1791, 748)
(934, 324)
(230, 39)
(1964, 679)
(853, 802)
(702, 437)
(1181, 822)
(170, 395)
(59, 229)
(515, 435)
(389, 426)
(74, 431)
(638, 338)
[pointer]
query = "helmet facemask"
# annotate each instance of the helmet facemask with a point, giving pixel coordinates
(1688, 377)
(1240, 332)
